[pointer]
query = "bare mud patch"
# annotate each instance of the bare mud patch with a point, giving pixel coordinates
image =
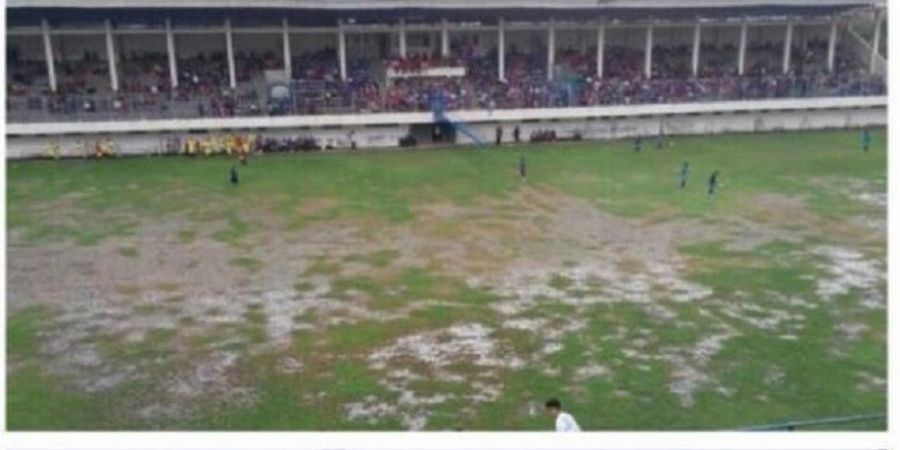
(849, 271)
(466, 354)
(690, 368)
(468, 343)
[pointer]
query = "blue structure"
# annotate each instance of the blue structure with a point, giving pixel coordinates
(436, 102)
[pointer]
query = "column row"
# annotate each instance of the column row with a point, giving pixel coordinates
(502, 30)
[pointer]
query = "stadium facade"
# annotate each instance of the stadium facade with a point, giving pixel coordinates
(371, 73)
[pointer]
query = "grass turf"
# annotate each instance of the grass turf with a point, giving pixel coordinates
(84, 203)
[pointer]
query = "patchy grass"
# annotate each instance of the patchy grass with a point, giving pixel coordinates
(247, 262)
(380, 258)
(615, 362)
(22, 329)
(128, 252)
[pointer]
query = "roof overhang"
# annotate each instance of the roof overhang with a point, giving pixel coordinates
(309, 13)
(444, 4)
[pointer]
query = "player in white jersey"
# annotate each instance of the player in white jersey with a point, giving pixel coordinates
(564, 421)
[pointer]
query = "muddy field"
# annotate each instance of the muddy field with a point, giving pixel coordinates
(467, 315)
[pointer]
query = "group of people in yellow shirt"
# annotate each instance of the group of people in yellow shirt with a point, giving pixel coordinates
(104, 147)
(230, 144)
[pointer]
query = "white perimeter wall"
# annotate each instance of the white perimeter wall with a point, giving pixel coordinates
(617, 128)
(385, 130)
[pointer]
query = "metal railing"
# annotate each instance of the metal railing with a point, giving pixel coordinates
(333, 99)
(828, 423)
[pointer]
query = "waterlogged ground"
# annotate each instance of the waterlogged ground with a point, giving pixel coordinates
(435, 290)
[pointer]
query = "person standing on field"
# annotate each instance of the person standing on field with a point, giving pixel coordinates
(866, 139)
(683, 174)
(713, 183)
(638, 143)
(564, 421)
(499, 135)
(522, 168)
(516, 135)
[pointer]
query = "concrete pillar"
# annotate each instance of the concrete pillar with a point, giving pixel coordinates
(551, 49)
(695, 55)
(229, 49)
(445, 39)
(648, 53)
(48, 54)
(501, 51)
(742, 50)
(170, 49)
(832, 45)
(788, 38)
(601, 43)
(402, 38)
(876, 41)
(286, 38)
(111, 58)
(342, 51)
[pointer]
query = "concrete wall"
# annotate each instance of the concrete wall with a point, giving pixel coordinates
(156, 143)
(385, 130)
(743, 122)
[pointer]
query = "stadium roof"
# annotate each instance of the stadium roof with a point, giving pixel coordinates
(444, 4)
(327, 13)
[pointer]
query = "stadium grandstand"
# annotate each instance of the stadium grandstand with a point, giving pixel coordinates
(315, 63)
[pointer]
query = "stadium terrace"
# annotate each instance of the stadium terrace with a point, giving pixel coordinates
(195, 59)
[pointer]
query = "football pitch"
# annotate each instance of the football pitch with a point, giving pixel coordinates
(434, 289)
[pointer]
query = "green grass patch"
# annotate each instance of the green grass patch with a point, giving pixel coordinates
(251, 264)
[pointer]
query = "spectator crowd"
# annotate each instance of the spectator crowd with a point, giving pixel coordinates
(204, 84)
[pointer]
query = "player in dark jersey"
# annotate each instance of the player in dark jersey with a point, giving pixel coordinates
(683, 174)
(866, 139)
(713, 183)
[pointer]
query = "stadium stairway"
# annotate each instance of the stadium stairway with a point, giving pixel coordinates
(440, 117)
